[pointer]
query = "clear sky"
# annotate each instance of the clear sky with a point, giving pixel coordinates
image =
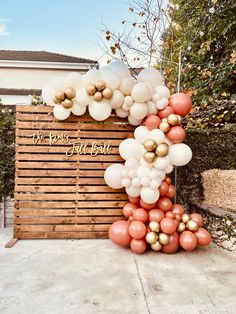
(63, 26)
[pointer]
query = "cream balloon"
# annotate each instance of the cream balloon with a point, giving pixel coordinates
(143, 171)
(130, 148)
(157, 135)
(141, 93)
(134, 121)
(126, 85)
(162, 163)
(162, 103)
(151, 76)
(122, 113)
(60, 112)
(180, 154)
(132, 163)
(157, 174)
(133, 191)
(74, 80)
(91, 77)
(162, 91)
(138, 110)
(128, 100)
(78, 110)
(151, 107)
(112, 176)
(48, 94)
(99, 111)
(120, 68)
(111, 79)
(148, 195)
(117, 99)
(169, 169)
(82, 98)
(141, 134)
(58, 83)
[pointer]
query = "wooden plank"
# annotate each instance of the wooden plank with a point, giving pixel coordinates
(49, 228)
(63, 205)
(69, 197)
(64, 220)
(69, 212)
(50, 181)
(65, 189)
(62, 235)
(11, 243)
(47, 165)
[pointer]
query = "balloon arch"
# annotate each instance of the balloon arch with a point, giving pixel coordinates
(152, 217)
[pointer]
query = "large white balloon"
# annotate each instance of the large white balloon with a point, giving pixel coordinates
(157, 135)
(82, 98)
(99, 111)
(48, 94)
(78, 110)
(138, 110)
(117, 99)
(112, 176)
(141, 133)
(111, 79)
(60, 112)
(133, 191)
(132, 163)
(134, 121)
(162, 163)
(180, 154)
(74, 80)
(126, 85)
(130, 148)
(151, 76)
(143, 171)
(58, 83)
(157, 174)
(120, 68)
(141, 92)
(148, 195)
(162, 91)
(92, 76)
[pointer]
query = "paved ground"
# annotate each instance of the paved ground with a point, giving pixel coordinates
(94, 276)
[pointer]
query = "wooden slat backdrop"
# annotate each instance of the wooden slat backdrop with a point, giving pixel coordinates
(65, 197)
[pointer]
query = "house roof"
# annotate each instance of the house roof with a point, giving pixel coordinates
(15, 91)
(44, 56)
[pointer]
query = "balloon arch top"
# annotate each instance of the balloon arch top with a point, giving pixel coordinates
(149, 157)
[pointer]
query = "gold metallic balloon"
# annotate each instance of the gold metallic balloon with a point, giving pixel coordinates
(60, 95)
(67, 103)
(156, 246)
(56, 101)
(149, 157)
(162, 150)
(151, 237)
(172, 119)
(91, 89)
(154, 226)
(192, 225)
(150, 145)
(100, 85)
(164, 120)
(107, 93)
(164, 127)
(181, 227)
(164, 239)
(180, 119)
(97, 96)
(69, 92)
(185, 218)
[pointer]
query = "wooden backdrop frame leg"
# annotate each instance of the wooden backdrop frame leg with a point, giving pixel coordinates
(11, 243)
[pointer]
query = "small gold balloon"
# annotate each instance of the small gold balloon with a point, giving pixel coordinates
(100, 85)
(181, 227)
(164, 127)
(192, 225)
(149, 157)
(56, 101)
(162, 150)
(156, 246)
(69, 93)
(151, 237)
(172, 119)
(164, 120)
(185, 218)
(60, 95)
(67, 103)
(180, 119)
(91, 89)
(154, 226)
(150, 145)
(164, 239)
(107, 93)
(97, 96)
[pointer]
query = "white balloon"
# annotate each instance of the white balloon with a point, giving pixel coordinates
(125, 107)
(156, 174)
(155, 183)
(143, 171)
(82, 98)
(180, 154)
(162, 103)
(132, 173)
(99, 111)
(130, 148)
(58, 83)
(117, 99)
(148, 195)
(124, 173)
(132, 163)
(151, 76)
(167, 141)
(136, 182)
(134, 121)
(169, 168)
(133, 191)
(145, 181)
(141, 133)
(151, 107)
(126, 182)
(78, 110)
(92, 76)
(74, 80)
(112, 176)
(111, 79)
(162, 91)
(128, 100)
(122, 113)
(141, 92)
(48, 95)
(157, 135)
(162, 163)
(60, 112)
(120, 68)
(138, 110)
(126, 85)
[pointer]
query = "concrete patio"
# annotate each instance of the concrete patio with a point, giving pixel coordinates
(95, 276)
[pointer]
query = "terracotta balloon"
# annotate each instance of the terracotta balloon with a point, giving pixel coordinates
(134, 200)
(188, 240)
(155, 215)
(181, 103)
(176, 134)
(171, 191)
(137, 230)
(168, 225)
(140, 214)
(178, 209)
(147, 206)
(203, 237)
(168, 180)
(163, 188)
(197, 218)
(138, 246)
(119, 233)
(170, 215)
(152, 122)
(128, 209)
(173, 245)
(164, 113)
(164, 204)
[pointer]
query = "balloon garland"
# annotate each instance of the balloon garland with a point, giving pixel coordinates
(152, 217)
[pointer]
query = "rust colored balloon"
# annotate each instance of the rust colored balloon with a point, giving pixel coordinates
(164, 113)
(197, 218)
(152, 122)
(168, 225)
(173, 245)
(134, 200)
(163, 188)
(147, 206)
(168, 180)
(188, 240)
(178, 209)
(181, 103)
(119, 233)
(138, 246)
(128, 209)
(176, 134)
(164, 204)
(155, 215)
(140, 214)
(137, 230)
(170, 215)
(203, 237)
(171, 191)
